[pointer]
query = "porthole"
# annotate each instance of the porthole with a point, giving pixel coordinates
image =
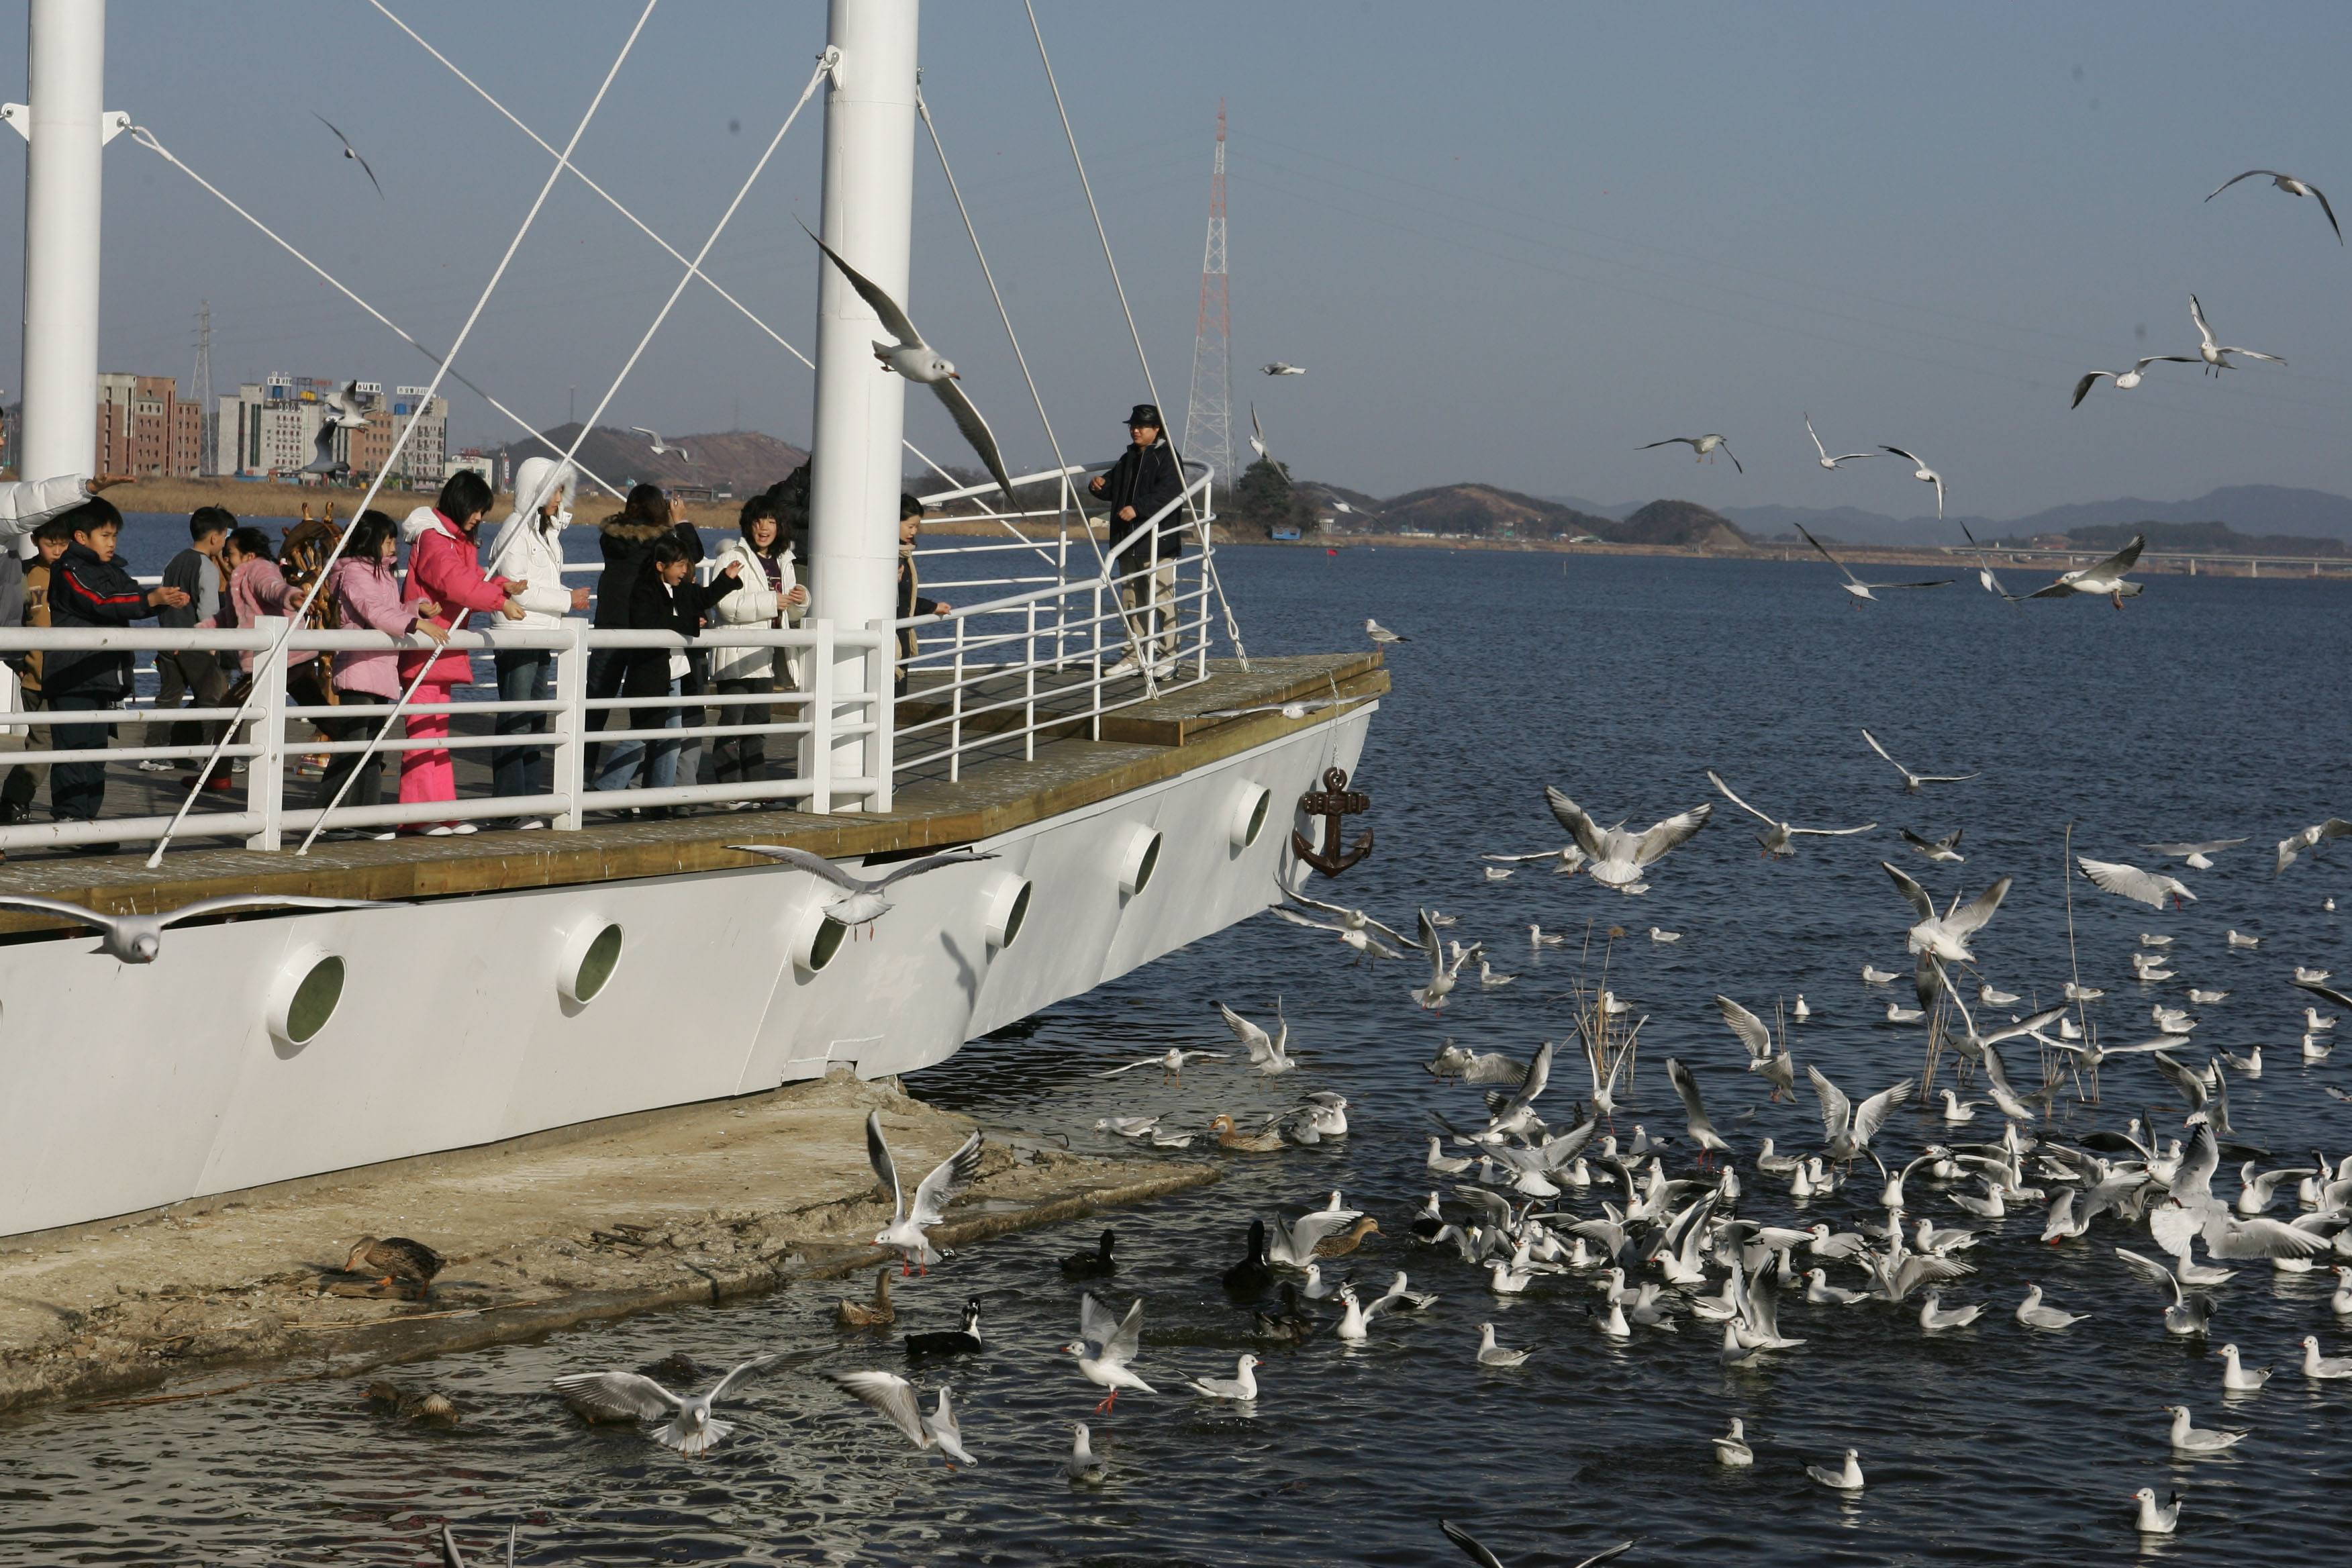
(817, 940)
(1006, 910)
(591, 954)
(309, 987)
(1252, 804)
(1139, 856)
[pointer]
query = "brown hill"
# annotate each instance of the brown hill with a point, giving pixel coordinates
(741, 462)
(1676, 522)
(1485, 511)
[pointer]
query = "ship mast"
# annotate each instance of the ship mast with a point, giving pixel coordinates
(856, 472)
(67, 131)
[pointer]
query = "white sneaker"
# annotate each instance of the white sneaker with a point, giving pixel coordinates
(464, 827)
(529, 826)
(157, 765)
(439, 830)
(381, 838)
(1163, 670)
(1127, 666)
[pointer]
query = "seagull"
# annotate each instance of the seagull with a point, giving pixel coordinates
(1702, 445)
(1485, 1559)
(1268, 1053)
(1958, 1110)
(2304, 976)
(916, 360)
(661, 446)
(1847, 1479)
(2197, 856)
(2127, 379)
(1658, 935)
(2286, 183)
(2237, 940)
(1294, 1245)
(1567, 860)
(1773, 1063)
(1732, 1447)
(1926, 476)
(1492, 1355)
(2320, 1367)
(1492, 979)
(1702, 1130)
(2215, 355)
(1298, 710)
(1499, 873)
(1536, 937)
(1826, 460)
(1170, 1064)
(1241, 1388)
(1944, 851)
(1775, 841)
(632, 1397)
(1082, 1467)
(864, 903)
(1279, 368)
(1444, 974)
(1871, 976)
(2103, 577)
(1945, 936)
(1898, 1014)
(2156, 1520)
(1355, 937)
(1257, 435)
(895, 1397)
(139, 939)
(1991, 997)
(1849, 1131)
(946, 1182)
(2188, 1314)
(353, 153)
(1619, 858)
(2148, 887)
(1933, 1317)
(1819, 1292)
(2295, 844)
(1104, 1347)
(2189, 1438)
(2236, 1377)
(1855, 585)
(1911, 780)
(342, 412)
(1381, 636)
(2034, 1314)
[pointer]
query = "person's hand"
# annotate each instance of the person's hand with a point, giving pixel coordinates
(107, 481)
(1096, 484)
(676, 513)
(798, 596)
(433, 629)
(578, 598)
(425, 607)
(512, 611)
(941, 609)
(513, 586)
(1126, 515)
(172, 597)
(733, 569)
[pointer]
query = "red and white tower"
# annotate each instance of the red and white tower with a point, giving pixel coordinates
(1209, 416)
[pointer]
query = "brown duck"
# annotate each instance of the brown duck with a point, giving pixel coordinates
(1231, 1137)
(1349, 1240)
(879, 1313)
(392, 1257)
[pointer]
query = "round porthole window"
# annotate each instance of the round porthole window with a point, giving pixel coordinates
(1007, 908)
(1252, 805)
(588, 960)
(310, 988)
(818, 939)
(1139, 857)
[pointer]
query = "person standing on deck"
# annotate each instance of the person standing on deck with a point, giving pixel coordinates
(1145, 479)
(910, 603)
(626, 539)
(197, 572)
(366, 595)
(771, 596)
(529, 549)
(443, 566)
(89, 587)
(23, 781)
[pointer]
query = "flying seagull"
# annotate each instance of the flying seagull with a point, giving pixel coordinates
(2127, 379)
(1912, 781)
(628, 1395)
(1485, 1559)
(2215, 355)
(1855, 585)
(916, 360)
(1775, 841)
(1926, 476)
(1946, 935)
(1280, 368)
(1257, 437)
(2292, 846)
(2286, 183)
(1620, 857)
(342, 413)
(2151, 888)
(865, 903)
(1827, 461)
(2104, 577)
(1704, 446)
(2197, 856)
(661, 446)
(138, 939)
(1984, 570)
(946, 1182)
(1944, 851)
(895, 1397)
(353, 153)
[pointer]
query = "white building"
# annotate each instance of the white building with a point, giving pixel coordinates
(270, 428)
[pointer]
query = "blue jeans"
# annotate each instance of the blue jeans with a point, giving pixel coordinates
(622, 757)
(522, 678)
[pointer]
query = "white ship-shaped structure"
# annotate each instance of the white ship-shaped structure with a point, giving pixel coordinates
(512, 983)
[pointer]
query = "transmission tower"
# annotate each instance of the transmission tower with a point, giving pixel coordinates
(1209, 417)
(200, 387)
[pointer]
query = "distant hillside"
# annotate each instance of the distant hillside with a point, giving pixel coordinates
(742, 461)
(1675, 523)
(2253, 509)
(1483, 511)
(2197, 538)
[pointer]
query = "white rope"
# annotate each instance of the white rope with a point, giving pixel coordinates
(278, 649)
(693, 269)
(1208, 556)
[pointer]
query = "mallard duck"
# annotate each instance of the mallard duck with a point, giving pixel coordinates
(1096, 1264)
(429, 1405)
(1349, 1240)
(1253, 1275)
(392, 1257)
(876, 1314)
(1231, 1137)
(1291, 1325)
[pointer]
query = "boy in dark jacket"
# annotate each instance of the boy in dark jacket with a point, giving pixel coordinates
(1143, 480)
(664, 598)
(91, 588)
(626, 540)
(195, 571)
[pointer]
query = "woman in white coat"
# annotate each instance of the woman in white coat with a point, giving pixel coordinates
(530, 549)
(771, 596)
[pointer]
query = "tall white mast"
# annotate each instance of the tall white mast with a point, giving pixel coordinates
(856, 473)
(66, 77)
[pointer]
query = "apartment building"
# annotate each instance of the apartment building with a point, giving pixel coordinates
(270, 428)
(145, 429)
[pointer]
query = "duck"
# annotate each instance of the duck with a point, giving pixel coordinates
(430, 1406)
(1347, 1242)
(876, 1314)
(1233, 1138)
(1291, 1325)
(1253, 1275)
(1097, 1265)
(953, 1342)
(392, 1257)
(1732, 1448)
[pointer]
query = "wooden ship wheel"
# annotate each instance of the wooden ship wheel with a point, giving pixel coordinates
(307, 547)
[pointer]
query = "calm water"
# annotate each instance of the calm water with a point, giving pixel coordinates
(2204, 709)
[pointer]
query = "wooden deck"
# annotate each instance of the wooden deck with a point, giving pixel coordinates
(1000, 790)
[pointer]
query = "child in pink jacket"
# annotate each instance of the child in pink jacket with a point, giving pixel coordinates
(443, 569)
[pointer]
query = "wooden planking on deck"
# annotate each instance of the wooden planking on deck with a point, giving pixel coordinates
(1153, 742)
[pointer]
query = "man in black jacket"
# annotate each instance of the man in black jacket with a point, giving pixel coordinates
(91, 588)
(663, 598)
(1144, 480)
(196, 572)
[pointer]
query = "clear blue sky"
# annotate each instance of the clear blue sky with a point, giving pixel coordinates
(1511, 242)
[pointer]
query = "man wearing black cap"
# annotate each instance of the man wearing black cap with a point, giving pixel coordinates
(1143, 480)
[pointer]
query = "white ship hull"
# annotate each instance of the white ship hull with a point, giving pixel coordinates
(125, 1088)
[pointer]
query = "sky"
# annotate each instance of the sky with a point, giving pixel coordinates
(1510, 243)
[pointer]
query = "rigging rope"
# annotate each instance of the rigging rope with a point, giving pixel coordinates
(278, 649)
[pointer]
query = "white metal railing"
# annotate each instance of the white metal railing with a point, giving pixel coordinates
(815, 719)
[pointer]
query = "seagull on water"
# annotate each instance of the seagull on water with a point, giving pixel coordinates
(2188, 1314)
(2102, 577)
(864, 903)
(1083, 1468)
(916, 360)
(2212, 351)
(2034, 1314)
(1777, 837)
(2189, 1438)
(1846, 1478)
(2197, 856)
(2149, 888)
(661, 446)
(2235, 939)
(1658, 935)
(1492, 1355)
(1105, 1346)
(1241, 1388)
(1826, 460)
(1926, 476)
(1620, 857)
(2237, 1377)
(896, 1398)
(2286, 183)
(628, 1395)
(139, 939)
(2127, 379)
(1537, 937)
(1855, 585)
(2329, 1368)
(1871, 976)
(1732, 1447)
(1991, 996)
(1911, 780)
(908, 1223)
(2153, 1520)
(2312, 837)
(1702, 445)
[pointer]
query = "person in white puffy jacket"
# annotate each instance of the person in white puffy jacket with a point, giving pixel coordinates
(528, 547)
(772, 595)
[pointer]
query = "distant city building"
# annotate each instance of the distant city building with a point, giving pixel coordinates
(269, 428)
(471, 459)
(144, 429)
